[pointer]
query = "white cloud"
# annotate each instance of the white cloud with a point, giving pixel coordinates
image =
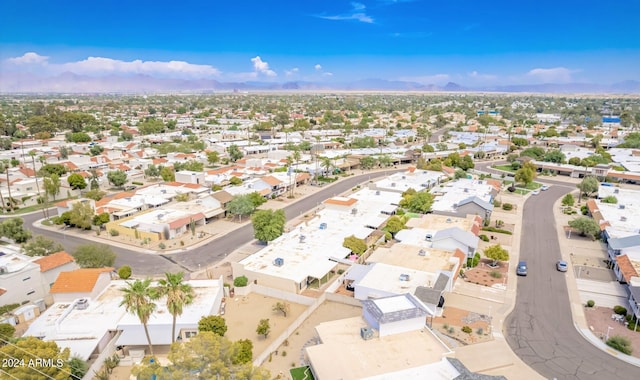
(262, 67)
(357, 13)
(482, 77)
(327, 74)
(428, 79)
(551, 75)
(28, 59)
(318, 67)
(292, 72)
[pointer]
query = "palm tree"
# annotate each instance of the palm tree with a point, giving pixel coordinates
(5, 168)
(326, 164)
(4, 205)
(178, 295)
(138, 299)
(33, 161)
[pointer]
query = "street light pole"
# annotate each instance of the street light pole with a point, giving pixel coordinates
(609, 328)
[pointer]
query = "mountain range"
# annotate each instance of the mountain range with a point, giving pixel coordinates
(73, 83)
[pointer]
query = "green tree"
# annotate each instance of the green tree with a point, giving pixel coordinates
(138, 299)
(588, 186)
(419, 202)
(117, 178)
(534, 152)
(554, 155)
(268, 224)
(367, 162)
(575, 161)
(609, 199)
(213, 323)
(496, 253)
(124, 272)
(525, 175)
(41, 246)
(356, 245)
(25, 350)
(76, 181)
(394, 224)
(213, 157)
(152, 171)
(586, 226)
(48, 169)
(13, 229)
(568, 200)
(235, 181)
(257, 199)
(32, 154)
(96, 150)
(94, 194)
(243, 351)
(167, 174)
(6, 332)
(52, 185)
(178, 294)
(78, 368)
(81, 215)
(94, 256)
(281, 307)
(234, 153)
(241, 205)
(264, 328)
(4, 168)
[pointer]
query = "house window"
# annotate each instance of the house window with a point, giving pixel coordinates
(30, 292)
(29, 188)
(26, 278)
(189, 334)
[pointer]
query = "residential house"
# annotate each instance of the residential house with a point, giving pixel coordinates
(80, 283)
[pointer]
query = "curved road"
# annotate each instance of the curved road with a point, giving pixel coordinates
(540, 329)
(205, 255)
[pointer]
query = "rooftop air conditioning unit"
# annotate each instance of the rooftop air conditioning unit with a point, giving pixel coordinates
(323, 226)
(3, 270)
(449, 220)
(393, 184)
(366, 333)
(405, 277)
(422, 252)
(377, 192)
(623, 218)
(354, 211)
(302, 238)
(621, 207)
(82, 304)
(616, 191)
(404, 177)
(278, 262)
(428, 237)
(466, 190)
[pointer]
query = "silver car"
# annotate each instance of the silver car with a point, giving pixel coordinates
(562, 266)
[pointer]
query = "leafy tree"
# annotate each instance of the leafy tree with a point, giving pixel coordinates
(152, 171)
(76, 181)
(534, 152)
(52, 185)
(191, 165)
(49, 169)
(241, 205)
(138, 299)
(586, 226)
(264, 328)
(6, 332)
(124, 272)
(588, 186)
(117, 178)
(568, 200)
(26, 349)
(281, 307)
(243, 351)
(96, 150)
(178, 294)
(356, 245)
(519, 141)
(419, 202)
(367, 162)
(257, 199)
(81, 215)
(151, 126)
(610, 199)
(526, 174)
(213, 157)
(554, 156)
(213, 323)
(41, 246)
(575, 161)
(394, 224)
(99, 220)
(235, 181)
(234, 153)
(167, 174)
(94, 256)
(208, 356)
(496, 253)
(13, 229)
(268, 224)
(94, 194)
(78, 368)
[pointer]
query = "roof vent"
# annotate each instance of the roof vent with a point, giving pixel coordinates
(623, 218)
(422, 252)
(278, 262)
(405, 277)
(616, 191)
(404, 177)
(428, 237)
(302, 238)
(354, 211)
(377, 192)
(448, 220)
(393, 184)
(466, 190)
(323, 226)
(621, 207)
(82, 304)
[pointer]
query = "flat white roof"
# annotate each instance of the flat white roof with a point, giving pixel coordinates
(386, 278)
(408, 256)
(391, 304)
(453, 193)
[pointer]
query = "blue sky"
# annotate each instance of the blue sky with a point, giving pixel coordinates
(477, 42)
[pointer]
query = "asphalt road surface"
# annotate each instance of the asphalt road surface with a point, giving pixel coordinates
(205, 255)
(540, 329)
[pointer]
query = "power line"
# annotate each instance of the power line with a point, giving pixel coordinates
(33, 355)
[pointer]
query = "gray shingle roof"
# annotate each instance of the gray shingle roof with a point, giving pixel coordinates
(474, 199)
(464, 237)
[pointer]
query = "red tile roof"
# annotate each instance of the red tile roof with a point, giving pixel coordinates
(53, 261)
(626, 268)
(341, 202)
(77, 281)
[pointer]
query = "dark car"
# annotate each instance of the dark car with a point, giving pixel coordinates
(521, 270)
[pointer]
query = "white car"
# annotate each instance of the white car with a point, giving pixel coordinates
(544, 188)
(535, 192)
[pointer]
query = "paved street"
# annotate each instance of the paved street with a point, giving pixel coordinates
(208, 254)
(540, 329)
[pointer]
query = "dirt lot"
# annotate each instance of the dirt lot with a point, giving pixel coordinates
(482, 274)
(599, 318)
(453, 319)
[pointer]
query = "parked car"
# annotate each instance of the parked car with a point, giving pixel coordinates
(544, 188)
(130, 187)
(521, 270)
(562, 266)
(535, 192)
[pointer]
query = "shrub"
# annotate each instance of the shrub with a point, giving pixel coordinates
(8, 308)
(497, 203)
(284, 353)
(466, 329)
(240, 281)
(137, 183)
(621, 344)
(497, 230)
(591, 303)
(495, 274)
(124, 272)
(511, 188)
(451, 330)
(162, 246)
(620, 310)
(507, 206)
(445, 326)
(340, 271)
(584, 209)
(473, 262)
(114, 232)
(480, 331)
(484, 237)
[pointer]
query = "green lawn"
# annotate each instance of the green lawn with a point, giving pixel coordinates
(506, 168)
(301, 373)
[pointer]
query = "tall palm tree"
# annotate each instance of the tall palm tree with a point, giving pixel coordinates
(4, 205)
(178, 296)
(33, 162)
(5, 167)
(326, 164)
(138, 299)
